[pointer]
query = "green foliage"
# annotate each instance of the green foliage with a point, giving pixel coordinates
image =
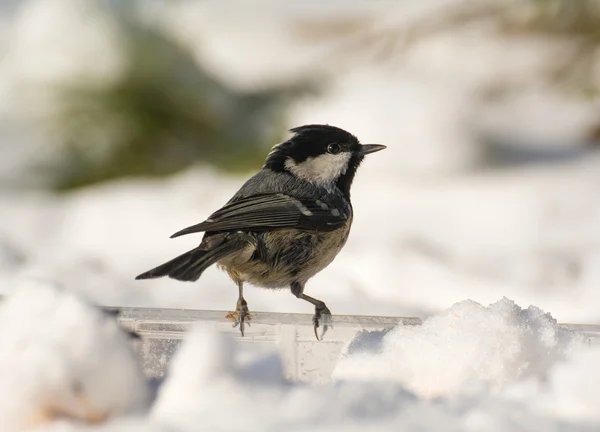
(574, 23)
(163, 115)
(571, 17)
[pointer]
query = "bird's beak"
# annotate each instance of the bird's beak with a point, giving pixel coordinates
(370, 148)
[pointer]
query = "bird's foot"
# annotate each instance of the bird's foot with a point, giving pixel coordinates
(322, 316)
(241, 316)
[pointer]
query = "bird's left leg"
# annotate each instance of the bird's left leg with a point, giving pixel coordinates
(322, 312)
(241, 314)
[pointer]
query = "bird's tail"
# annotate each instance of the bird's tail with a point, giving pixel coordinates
(190, 265)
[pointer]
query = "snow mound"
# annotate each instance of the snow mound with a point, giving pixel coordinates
(62, 358)
(211, 377)
(575, 388)
(212, 374)
(466, 348)
(516, 362)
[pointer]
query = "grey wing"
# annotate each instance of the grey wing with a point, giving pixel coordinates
(272, 211)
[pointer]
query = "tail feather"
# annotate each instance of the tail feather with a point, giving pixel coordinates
(191, 265)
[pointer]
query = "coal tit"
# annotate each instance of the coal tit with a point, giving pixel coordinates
(285, 224)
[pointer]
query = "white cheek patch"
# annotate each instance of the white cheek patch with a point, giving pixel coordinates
(322, 170)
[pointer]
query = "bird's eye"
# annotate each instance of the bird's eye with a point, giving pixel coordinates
(333, 148)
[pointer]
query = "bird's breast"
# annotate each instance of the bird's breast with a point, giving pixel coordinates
(277, 258)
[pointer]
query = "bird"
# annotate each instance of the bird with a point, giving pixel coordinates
(285, 224)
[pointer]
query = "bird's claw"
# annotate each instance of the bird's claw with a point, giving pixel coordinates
(322, 316)
(241, 316)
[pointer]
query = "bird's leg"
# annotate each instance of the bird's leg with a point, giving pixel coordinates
(321, 310)
(241, 314)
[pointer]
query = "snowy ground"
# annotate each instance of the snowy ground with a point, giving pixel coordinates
(65, 366)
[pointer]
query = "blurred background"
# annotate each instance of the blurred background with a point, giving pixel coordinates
(123, 121)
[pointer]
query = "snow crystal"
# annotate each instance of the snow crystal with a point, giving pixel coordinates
(462, 349)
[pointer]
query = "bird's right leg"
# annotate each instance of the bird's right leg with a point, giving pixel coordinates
(322, 312)
(241, 314)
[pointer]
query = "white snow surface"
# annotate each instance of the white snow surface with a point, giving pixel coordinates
(496, 368)
(61, 358)
(509, 344)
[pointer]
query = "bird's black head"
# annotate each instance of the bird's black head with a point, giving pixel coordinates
(323, 155)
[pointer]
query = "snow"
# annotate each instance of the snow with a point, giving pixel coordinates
(211, 374)
(43, 53)
(418, 149)
(480, 346)
(497, 367)
(576, 387)
(62, 358)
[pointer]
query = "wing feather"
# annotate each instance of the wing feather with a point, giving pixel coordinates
(271, 211)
